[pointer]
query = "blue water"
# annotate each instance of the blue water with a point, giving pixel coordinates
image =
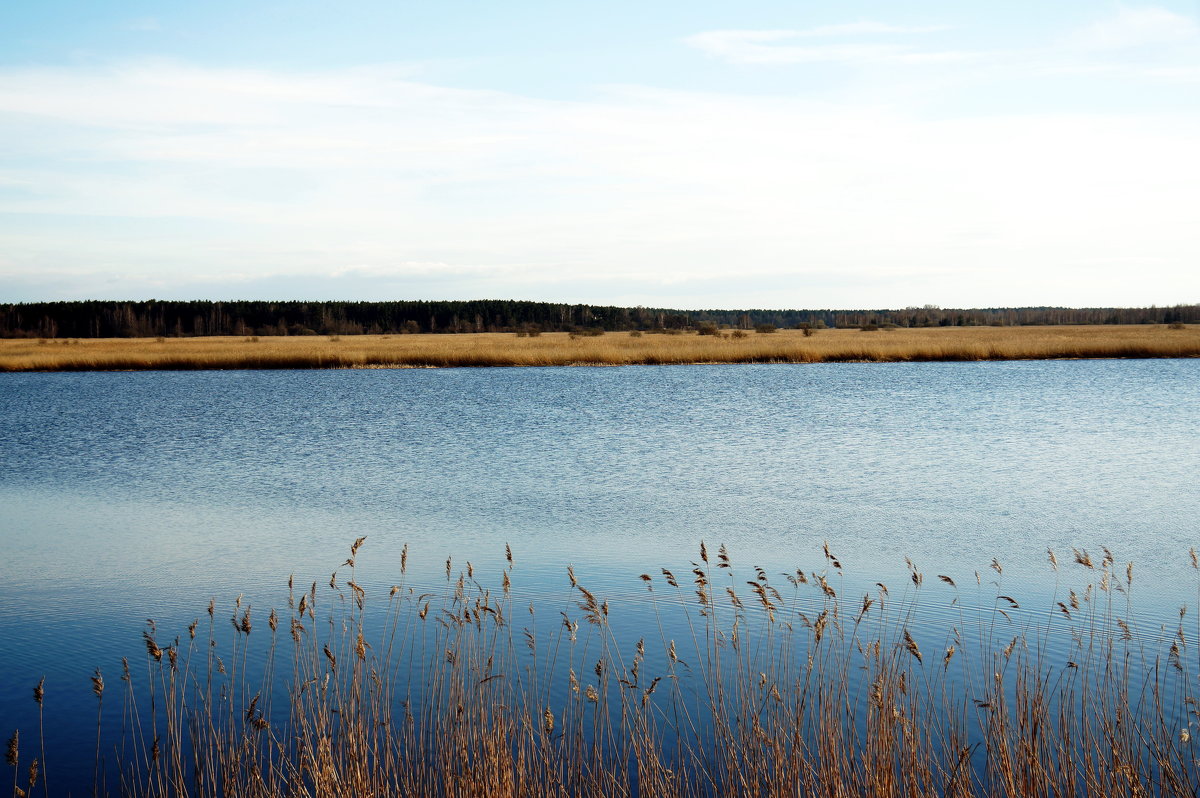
(126, 496)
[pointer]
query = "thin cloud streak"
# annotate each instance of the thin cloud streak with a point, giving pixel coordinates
(771, 46)
(1148, 43)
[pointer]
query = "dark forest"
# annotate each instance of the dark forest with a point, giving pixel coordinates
(117, 319)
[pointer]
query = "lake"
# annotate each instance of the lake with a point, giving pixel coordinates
(127, 496)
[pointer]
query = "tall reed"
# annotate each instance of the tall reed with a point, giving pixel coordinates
(752, 687)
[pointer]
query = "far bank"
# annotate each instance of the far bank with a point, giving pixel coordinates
(608, 349)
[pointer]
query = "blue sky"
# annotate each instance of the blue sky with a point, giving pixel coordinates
(686, 154)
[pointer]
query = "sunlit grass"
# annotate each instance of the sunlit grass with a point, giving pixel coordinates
(753, 686)
(611, 349)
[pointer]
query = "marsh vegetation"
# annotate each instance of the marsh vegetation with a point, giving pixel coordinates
(775, 684)
(594, 347)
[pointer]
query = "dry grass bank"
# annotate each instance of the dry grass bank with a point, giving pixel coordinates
(757, 690)
(611, 349)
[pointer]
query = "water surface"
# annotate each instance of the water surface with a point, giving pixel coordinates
(128, 496)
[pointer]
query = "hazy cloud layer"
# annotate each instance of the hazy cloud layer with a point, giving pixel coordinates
(164, 178)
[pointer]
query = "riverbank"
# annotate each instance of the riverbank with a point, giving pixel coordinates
(610, 349)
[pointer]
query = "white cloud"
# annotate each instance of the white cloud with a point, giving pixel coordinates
(778, 47)
(1129, 28)
(172, 173)
(1147, 43)
(865, 27)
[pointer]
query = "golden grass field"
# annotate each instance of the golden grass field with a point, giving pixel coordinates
(611, 349)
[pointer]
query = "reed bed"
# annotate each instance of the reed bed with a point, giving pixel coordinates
(611, 349)
(759, 686)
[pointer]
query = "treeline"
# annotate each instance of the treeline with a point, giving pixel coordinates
(109, 319)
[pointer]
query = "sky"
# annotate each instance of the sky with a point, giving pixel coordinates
(683, 154)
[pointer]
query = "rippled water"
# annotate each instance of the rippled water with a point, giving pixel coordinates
(126, 496)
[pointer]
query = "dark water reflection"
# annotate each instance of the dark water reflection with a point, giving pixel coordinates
(133, 495)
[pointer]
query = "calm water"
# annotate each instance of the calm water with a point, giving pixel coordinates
(141, 495)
